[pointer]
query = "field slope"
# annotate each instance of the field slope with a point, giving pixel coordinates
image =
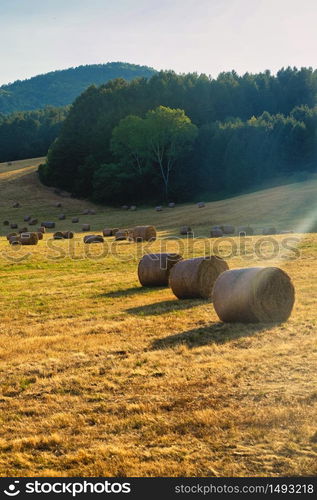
(101, 377)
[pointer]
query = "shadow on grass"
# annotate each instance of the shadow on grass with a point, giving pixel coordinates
(164, 306)
(131, 291)
(214, 333)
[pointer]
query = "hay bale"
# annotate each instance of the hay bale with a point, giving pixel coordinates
(159, 208)
(252, 295)
(245, 231)
(133, 208)
(6, 223)
(86, 227)
(144, 233)
(48, 225)
(186, 230)
(171, 205)
(11, 235)
(269, 230)
(62, 217)
(93, 238)
(201, 204)
(68, 235)
(33, 222)
(216, 232)
(27, 218)
(14, 226)
(85, 212)
(154, 269)
(121, 235)
(58, 235)
(124, 207)
(227, 229)
(107, 232)
(39, 235)
(41, 230)
(195, 278)
(16, 205)
(75, 220)
(29, 238)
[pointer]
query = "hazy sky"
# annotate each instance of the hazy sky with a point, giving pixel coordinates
(209, 36)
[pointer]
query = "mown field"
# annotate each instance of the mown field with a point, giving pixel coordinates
(99, 376)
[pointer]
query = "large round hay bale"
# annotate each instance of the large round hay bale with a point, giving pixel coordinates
(58, 235)
(195, 278)
(144, 233)
(269, 230)
(26, 218)
(48, 224)
(68, 235)
(121, 235)
(33, 222)
(6, 223)
(107, 232)
(216, 232)
(159, 208)
(245, 231)
(75, 220)
(201, 204)
(93, 238)
(252, 295)
(228, 229)
(14, 226)
(41, 229)
(186, 230)
(154, 269)
(62, 217)
(29, 238)
(171, 205)
(16, 205)
(86, 227)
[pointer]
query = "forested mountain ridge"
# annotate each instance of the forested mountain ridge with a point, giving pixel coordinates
(60, 88)
(250, 129)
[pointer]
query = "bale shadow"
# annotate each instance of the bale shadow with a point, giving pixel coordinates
(214, 333)
(164, 306)
(131, 291)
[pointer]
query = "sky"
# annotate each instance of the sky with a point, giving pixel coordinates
(204, 36)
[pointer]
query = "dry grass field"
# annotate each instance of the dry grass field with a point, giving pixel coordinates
(100, 377)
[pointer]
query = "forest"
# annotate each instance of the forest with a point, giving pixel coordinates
(120, 139)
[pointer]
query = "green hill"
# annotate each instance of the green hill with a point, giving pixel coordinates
(60, 88)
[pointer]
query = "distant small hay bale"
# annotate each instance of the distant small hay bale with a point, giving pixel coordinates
(75, 220)
(154, 269)
(6, 223)
(27, 218)
(107, 232)
(40, 235)
(133, 208)
(245, 231)
(11, 235)
(29, 238)
(195, 278)
(93, 238)
(143, 233)
(16, 205)
(228, 229)
(58, 235)
(201, 204)
(85, 212)
(14, 226)
(186, 230)
(57, 204)
(41, 229)
(86, 227)
(159, 208)
(171, 205)
(9, 163)
(253, 295)
(68, 235)
(216, 232)
(33, 222)
(124, 207)
(269, 230)
(62, 217)
(122, 234)
(48, 224)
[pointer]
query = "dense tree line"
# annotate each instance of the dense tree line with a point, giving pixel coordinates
(251, 128)
(29, 134)
(60, 88)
